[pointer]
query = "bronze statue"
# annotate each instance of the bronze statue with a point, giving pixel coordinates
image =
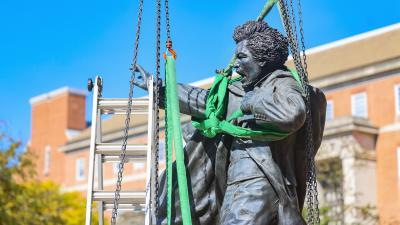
(243, 181)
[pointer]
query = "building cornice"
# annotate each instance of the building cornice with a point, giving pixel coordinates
(113, 136)
(348, 78)
(342, 139)
(57, 92)
(108, 137)
(349, 124)
(353, 39)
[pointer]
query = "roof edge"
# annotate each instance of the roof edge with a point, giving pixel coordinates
(353, 38)
(55, 93)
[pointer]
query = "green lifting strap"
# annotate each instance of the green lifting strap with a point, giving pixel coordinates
(216, 122)
(174, 142)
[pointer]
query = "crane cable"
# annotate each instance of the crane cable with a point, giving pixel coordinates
(127, 119)
(155, 195)
(289, 22)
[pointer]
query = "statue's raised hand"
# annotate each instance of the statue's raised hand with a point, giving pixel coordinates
(143, 79)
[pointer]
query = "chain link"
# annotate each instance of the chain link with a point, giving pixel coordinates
(167, 150)
(168, 27)
(156, 106)
(127, 120)
(312, 166)
(301, 67)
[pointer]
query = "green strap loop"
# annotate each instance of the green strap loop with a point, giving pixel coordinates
(175, 143)
(216, 107)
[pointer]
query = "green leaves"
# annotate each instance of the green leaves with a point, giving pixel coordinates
(26, 201)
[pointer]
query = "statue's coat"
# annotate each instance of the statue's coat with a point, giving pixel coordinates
(278, 100)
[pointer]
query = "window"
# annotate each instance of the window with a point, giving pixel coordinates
(397, 99)
(329, 110)
(359, 105)
(161, 152)
(79, 169)
(115, 167)
(47, 158)
(139, 165)
(398, 163)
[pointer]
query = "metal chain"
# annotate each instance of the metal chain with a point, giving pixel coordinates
(312, 216)
(127, 120)
(312, 194)
(303, 48)
(312, 166)
(168, 27)
(293, 26)
(166, 133)
(156, 106)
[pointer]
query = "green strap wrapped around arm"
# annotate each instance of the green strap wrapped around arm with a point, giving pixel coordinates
(174, 132)
(216, 122)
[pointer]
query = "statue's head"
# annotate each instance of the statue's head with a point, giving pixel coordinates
(260, 49)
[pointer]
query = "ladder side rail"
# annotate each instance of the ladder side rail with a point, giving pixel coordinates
(100, 186)
(150, 151)
(89, 196)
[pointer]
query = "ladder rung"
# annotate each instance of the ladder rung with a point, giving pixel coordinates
(130, 207)
(119, 105)
(139, 151)
(126, 197)
(116, 158)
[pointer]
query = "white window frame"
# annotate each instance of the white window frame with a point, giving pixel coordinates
(353, 107)
(138, 165)
(330, 102)
(398, 163)
(80, 166)
(162, 146)
(397, 100)
(47, 160)
(115, 167)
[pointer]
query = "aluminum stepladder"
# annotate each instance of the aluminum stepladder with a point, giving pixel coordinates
(105, 152)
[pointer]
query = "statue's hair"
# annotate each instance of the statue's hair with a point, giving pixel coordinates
(264, 42)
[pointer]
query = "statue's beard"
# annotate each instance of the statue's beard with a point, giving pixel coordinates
(246, 83)
(248, 80)
(249, 84)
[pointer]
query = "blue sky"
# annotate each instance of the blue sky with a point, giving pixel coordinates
(45, 45)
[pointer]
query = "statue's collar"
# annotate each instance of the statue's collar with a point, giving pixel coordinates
(238, 89)
(266, 75)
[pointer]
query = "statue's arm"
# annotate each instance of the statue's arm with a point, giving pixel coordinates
(192, 100)
(281, 105)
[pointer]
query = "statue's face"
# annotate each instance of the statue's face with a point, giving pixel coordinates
(246, 65)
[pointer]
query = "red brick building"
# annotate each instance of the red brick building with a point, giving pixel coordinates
(360, 76)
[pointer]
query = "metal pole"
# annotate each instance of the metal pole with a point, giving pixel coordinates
(100, 207)
(89, 196)
(150, 184)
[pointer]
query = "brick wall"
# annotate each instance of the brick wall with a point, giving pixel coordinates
(382, 113)
(54, 114)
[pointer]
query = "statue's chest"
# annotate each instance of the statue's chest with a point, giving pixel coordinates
(234, 102)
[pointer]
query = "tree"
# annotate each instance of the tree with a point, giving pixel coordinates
(26, 201)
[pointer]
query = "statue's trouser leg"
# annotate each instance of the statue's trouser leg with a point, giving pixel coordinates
(251, 201)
